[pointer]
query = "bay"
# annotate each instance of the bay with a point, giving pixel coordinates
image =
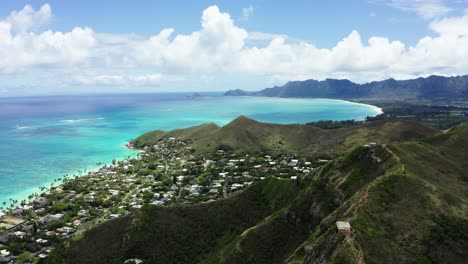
(44, 138)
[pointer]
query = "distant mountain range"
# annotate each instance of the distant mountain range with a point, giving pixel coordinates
(430, 88)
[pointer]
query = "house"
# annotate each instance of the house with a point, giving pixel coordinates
(370, 145)
(194, 194)
(56, 216)
(51, 233)
(157, 203)
(83, 212)
(195, 188)
(343, 227)
(133, 261)
(180, 178)
(18, 211)
(236, 186)
(41, 241)
(375, 159)
(4, 253)
(220, 152)
(19, 234)
(216, 185)
(40, 201)
(213, 191)
(293, 163)
(65, 229)
(113, 192)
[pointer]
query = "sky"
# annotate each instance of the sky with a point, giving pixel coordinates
(73, 47)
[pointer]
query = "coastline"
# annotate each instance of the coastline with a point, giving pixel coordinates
(22, 192)
(25, 193)
(75, 205)
(377, 110)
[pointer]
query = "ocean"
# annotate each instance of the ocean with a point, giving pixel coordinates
(44, 138)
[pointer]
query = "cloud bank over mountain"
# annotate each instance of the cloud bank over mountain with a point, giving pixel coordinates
(83, 56)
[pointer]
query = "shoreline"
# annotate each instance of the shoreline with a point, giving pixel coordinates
(24, 194)
(378, 110)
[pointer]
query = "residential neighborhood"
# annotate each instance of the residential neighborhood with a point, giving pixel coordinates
(169, 173)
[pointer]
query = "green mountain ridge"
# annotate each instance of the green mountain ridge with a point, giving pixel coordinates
(408, 206)
(248, 135)
(430, 88)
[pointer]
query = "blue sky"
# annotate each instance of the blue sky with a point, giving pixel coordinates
(55, 47)
(321, 22)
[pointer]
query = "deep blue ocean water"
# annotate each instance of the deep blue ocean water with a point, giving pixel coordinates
(43, 138)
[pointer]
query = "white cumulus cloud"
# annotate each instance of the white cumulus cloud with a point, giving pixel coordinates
(21, 48)
(220, 47)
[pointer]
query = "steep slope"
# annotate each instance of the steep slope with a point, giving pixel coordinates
(406, 203)
(179, 234)
(432, 88)
(249, 135)
(414, 213)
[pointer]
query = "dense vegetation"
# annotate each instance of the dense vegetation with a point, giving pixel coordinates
(247, 135)
(406, 202)
(438, 116)
(181, 234)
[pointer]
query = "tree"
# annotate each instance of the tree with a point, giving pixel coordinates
(24, 257)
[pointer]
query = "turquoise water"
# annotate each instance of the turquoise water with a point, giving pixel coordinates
(43, 138)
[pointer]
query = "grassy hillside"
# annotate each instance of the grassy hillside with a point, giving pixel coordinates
(248, 135)
(414, 213)
(406, 202)
(180, 234)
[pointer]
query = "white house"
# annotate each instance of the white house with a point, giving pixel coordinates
(4, 253)
(343, 227)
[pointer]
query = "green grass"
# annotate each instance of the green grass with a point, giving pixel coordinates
(246, 135)
(414, 211)
(181, 234)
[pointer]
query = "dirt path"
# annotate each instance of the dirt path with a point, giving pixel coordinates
(361, 202)
(360, 256)
(395, 156)
(391, 152)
